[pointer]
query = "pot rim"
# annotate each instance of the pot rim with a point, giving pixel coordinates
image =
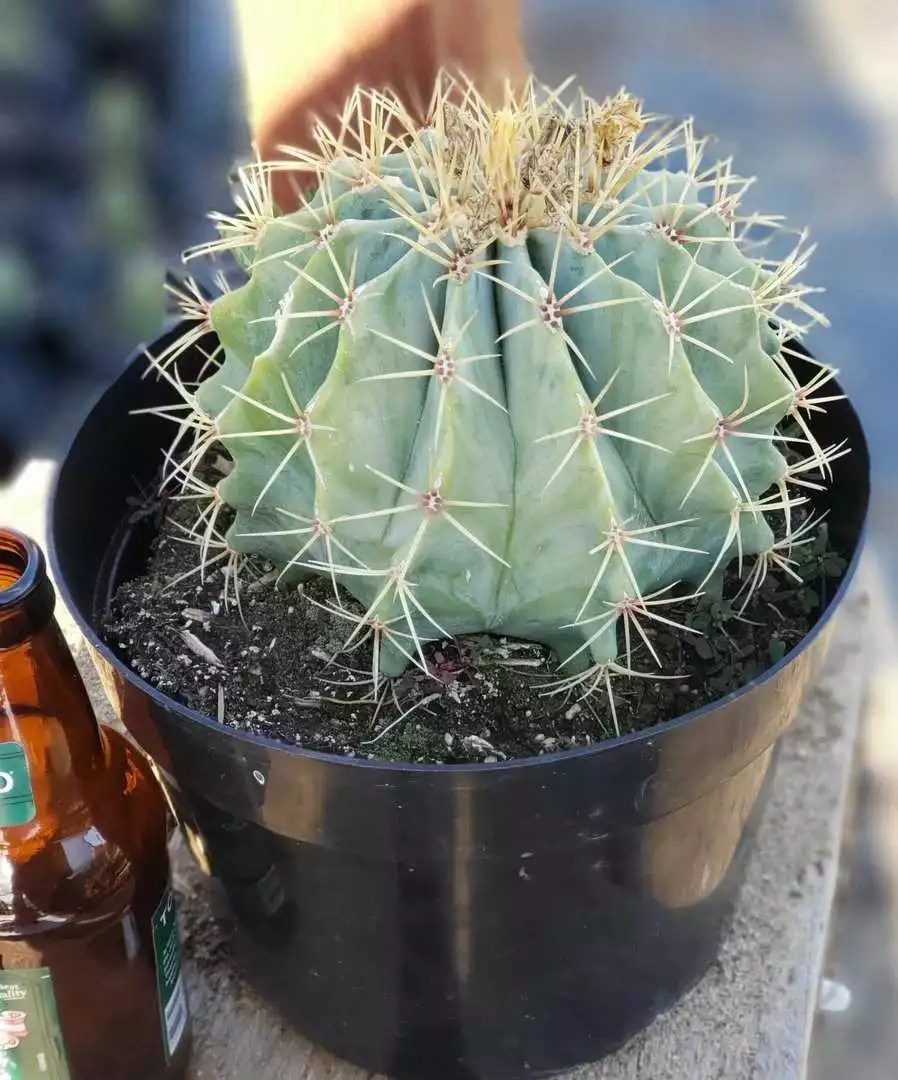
(202, 721)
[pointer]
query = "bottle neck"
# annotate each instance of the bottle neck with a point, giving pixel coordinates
(27, 599)
(51, 750)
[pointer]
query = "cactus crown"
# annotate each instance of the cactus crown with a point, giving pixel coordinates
(508, 371)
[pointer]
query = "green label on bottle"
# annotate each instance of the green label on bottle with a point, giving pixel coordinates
(169, 977)
(16, 797)
(31, 1046)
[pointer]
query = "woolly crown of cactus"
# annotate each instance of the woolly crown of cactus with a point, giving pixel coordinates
(510, 371)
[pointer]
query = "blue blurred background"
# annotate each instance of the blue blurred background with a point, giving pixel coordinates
(120, 120)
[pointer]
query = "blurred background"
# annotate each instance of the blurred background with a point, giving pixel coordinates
(122, 119)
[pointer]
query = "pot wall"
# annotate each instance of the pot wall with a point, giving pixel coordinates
(460, 921)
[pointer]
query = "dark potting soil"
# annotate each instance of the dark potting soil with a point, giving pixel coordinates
(268, 665)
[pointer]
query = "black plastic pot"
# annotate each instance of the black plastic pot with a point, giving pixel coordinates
(498, 921)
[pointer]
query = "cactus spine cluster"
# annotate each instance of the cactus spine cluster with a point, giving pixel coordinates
(514, 370)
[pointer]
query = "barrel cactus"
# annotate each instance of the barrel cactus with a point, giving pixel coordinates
(515, 370)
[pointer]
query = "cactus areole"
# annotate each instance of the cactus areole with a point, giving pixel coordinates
(519, 370)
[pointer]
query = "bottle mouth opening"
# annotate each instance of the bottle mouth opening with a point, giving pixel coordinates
(21, 567)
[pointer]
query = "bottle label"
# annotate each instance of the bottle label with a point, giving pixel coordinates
(16, 797)
(31, 1046)
(169, 977)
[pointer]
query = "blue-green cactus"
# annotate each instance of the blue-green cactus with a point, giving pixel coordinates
(506, 372)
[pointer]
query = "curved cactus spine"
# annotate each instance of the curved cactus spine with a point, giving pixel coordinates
(507, 372)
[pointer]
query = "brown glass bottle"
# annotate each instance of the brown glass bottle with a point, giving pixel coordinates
(90, 985)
